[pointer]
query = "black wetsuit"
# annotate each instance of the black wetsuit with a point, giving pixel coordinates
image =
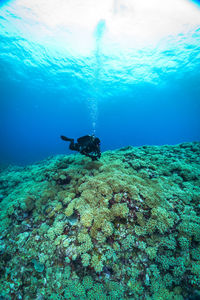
(88, 145)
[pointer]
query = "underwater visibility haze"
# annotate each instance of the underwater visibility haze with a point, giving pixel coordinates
(126, 223)
(128, 71)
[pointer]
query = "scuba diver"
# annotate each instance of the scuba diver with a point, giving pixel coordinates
(88, 145)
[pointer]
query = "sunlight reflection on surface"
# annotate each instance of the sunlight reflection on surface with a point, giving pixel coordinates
(128, 23)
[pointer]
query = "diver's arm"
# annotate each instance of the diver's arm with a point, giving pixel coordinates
(64, 138)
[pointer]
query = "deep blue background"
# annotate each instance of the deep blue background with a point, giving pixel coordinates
(40, 100)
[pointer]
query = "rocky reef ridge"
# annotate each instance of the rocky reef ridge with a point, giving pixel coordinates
(124, 227)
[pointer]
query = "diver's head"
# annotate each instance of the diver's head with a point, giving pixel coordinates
(95, 139)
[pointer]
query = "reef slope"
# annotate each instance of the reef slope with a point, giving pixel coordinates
(124, 227)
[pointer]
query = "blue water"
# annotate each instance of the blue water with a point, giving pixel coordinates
(127, 96)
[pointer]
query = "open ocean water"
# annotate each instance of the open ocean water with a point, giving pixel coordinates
(124, 226)
(131, 74)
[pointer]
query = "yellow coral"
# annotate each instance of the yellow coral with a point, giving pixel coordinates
(120, 210)
(70, 208)
(87, 218)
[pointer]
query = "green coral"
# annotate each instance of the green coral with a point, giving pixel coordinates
(151, 251)
(124, 227)
(88, 282)
(97, 263)
(184, 243)
(164, 219)
(85, 259)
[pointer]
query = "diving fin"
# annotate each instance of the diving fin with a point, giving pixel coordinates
(64, 138)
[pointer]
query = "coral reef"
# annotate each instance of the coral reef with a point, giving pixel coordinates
(124, 227)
